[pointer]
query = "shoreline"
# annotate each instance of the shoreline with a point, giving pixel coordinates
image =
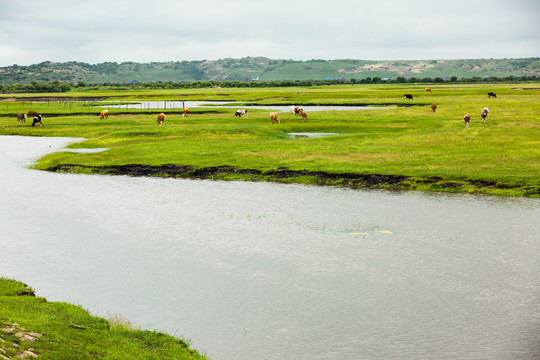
(33, 327)
(321, 178)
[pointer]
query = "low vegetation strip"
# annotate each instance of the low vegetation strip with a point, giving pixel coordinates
(284, 175)
(31, 327)
(419, 147)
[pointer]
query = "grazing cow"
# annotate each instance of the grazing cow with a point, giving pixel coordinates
(21, 118)
(185, 112)
(160, 119)
(32, 113)
(407, 97)
(428, 89)
(433, 107)
(467, 118)
(302, 114)
(293, 109)
(492, 94)
(297, 110)
(37, 120)
(274, 117)
(241, 112)
(485, 113)
(104, 114)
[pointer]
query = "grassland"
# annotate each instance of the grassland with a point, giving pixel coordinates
(31, 326)
(413, 146)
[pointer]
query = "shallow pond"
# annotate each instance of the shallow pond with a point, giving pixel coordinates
(268, 271)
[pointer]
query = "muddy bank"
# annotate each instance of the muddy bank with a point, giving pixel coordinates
(285, 175)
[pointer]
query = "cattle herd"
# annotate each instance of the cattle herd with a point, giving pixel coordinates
(297, 111)
(21, 118)
(467, 117)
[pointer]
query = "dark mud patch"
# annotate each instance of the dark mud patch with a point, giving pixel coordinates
(171, 170)
(285, 175)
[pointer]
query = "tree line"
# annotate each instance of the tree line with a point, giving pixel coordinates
(58, 86)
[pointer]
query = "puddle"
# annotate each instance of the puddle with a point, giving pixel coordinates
(310, 135)
(84, 151)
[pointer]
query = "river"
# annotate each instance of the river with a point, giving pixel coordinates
(271, 271)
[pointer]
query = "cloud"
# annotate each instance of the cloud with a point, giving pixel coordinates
(167, 30)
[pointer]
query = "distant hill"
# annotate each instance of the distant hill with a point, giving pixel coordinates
(264, 69)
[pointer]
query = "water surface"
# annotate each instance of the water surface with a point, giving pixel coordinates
(230, 105)
(268, 271)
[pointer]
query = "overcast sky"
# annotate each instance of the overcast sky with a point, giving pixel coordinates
(167, 30)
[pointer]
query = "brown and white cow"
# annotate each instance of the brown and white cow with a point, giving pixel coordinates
(302, 114)
(21, 118)
(241, 112)
(104, 114)
(160, 119)
(274, 117)
(185, 112)
(433, 107)
(485, 113)
(467, 118)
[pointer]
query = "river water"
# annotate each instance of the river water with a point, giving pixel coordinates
(269, 271)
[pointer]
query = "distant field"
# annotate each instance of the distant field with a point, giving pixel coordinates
(433, 150)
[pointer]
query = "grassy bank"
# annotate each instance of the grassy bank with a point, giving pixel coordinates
(430, 150)
(31, 326)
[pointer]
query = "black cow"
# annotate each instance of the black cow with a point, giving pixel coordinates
(407, 97)
(37, 120)
(492, 94)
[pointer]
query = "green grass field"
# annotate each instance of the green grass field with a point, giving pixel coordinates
(431, 148)
(53, 330)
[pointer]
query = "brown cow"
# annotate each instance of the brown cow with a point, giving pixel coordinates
(428, 89)
(274, 117)
(467, 118)
(104, 114)
(32, 113)
(185, 112)
(433, 107)
(485, 113)
(302, 114)
(21, 118)
(160, 119)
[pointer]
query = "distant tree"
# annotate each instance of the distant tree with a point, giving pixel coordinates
(453, 79)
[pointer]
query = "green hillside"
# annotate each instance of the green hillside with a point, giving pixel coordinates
(264, 69)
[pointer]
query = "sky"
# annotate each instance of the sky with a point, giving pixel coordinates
(167, 30)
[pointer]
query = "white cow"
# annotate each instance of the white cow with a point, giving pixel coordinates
(292, 109)
(241, 112)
